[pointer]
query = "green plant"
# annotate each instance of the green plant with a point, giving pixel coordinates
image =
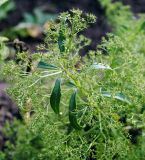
(3, 49)
(2, 2)
(89, 98)
(5, 7)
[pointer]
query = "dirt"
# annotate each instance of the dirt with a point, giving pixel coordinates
(137, 6)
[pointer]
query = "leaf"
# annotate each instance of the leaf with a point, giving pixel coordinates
(142, 26)
(3, 39)
(4, 52)
(70, 84)
(2, 2)
(122, 98)
(118, 96)
(72, 113)
(56, 96)
(106, 94)
(5, 7)
(100, 66)
(61, 40)
(41, 17)
(44, 65)
(29, 18)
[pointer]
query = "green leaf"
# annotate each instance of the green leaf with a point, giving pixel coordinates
(56, 96)
(72, 112)
(100, 66)
(122, 98)
(118, 96)
(4, 52)
(142, 26)
(5, 7)
(44, 65)
(106, 94)
(70, 84)
(61, 40)
(29, 18)
(3, 39)
(2, 2)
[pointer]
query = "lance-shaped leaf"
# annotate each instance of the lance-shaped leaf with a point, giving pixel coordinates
(72, 112)
(56, 96)
(44, 65)
(61, 41)
(70, 84)
(106, 94)
(118, 96)
(100, 66)
(122, 98)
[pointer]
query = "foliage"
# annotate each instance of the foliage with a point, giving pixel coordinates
(5, 7)
(4, 51)
(2, 2)
(78, 107)
(32, 24)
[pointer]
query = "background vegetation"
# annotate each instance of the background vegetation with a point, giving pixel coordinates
(75, 107)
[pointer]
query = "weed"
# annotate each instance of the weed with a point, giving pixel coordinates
(72, 106)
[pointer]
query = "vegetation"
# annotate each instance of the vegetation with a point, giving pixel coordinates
(5, 7)
(74, 107)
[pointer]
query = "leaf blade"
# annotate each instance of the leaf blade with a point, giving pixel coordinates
(121, 97)
(100, 66)
(61, 41)
(44, 65)
(72, 112)
(3, 2)
(118, 96)
(56, 96)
